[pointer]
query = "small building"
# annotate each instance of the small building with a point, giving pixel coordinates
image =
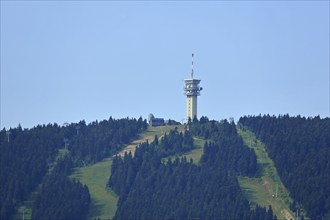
(155, 121)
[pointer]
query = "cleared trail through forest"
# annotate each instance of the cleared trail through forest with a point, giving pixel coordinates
(149, 135)
(262, 190)
(26, 206)
(96, 176)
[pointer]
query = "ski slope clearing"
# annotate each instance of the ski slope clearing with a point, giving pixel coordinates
(96, 176)
(262, 190)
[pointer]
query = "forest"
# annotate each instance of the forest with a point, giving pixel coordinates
(61, 198)
(300, 149)
(27, 155)
(151, 189)
(149, 184)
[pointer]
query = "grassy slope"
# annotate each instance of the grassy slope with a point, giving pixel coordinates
(104, 201)
(96, 176)
(27, 205)
(261, 190)
(195, 154)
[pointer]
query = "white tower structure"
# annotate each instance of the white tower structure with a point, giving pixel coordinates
(192, 90)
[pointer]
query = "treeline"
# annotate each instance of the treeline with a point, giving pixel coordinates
(173, 143)
(179, 189)
(124, 171)
(299, 147)
(61, 198)
(226, 150)
(26, 157)
(97, 140)
(23, 162)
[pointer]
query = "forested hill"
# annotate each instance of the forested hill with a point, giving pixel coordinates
(30, 153)
(152, 186)
(180, 189)
(300, 149)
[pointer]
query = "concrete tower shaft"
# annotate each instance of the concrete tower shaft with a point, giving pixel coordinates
(192, 90)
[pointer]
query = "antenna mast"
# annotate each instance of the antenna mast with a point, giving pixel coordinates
(192, 66)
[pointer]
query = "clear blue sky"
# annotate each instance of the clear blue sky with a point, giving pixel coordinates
(69, 61)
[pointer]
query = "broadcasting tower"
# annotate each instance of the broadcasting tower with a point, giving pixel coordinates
(192, 90)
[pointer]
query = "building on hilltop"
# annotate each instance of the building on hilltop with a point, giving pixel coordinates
(192, 90)
(152, 121)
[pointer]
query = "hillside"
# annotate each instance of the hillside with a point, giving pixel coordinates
(179, 188)
(205, 169)
(300, 150)
(96, 176)
(262, 190)
(27, 205)
(27, 155)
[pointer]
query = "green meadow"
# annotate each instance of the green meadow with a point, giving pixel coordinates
(262, 190)
(103, 200)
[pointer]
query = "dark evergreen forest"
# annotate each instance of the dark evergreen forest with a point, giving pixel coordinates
(179, 189)
(153, 187)
(25, 159)
(61, 198)
(300, 149)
